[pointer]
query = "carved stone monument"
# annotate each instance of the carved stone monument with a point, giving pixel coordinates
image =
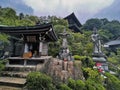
(98, 55)
(64, 53)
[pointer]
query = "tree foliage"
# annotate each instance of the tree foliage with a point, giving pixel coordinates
(112, 82)
(76, 84)
(91, 23)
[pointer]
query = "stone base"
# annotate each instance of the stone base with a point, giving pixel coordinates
(104, 64)
(98, 55)
(99, 59)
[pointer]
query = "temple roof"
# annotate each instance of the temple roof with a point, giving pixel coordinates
(113, 43)
(37, 29)
(74, 22)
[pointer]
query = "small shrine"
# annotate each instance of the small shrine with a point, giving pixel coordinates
(26, 52)
(98, 56)
(28, 43)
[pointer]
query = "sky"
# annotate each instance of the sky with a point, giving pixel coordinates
(83, 9)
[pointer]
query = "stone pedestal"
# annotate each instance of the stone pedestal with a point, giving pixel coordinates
(102, 60)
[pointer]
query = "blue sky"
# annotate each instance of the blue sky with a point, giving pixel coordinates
(83, 9)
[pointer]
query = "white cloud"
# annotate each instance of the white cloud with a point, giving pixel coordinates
(64, 7)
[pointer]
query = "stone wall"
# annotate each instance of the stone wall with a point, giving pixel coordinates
(61, 70)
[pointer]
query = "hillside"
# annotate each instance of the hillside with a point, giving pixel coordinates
(81, 47)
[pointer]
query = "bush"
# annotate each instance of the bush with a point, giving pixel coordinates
(2, 64)
(93, 85)
(79, 85)
(39, 81)
(71, 83)
(86, 61)
(64, 87)
(76, 85)
(113, 83)
(77, 57)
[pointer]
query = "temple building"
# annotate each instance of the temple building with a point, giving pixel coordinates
(113, 45)
(27, 51)
(28, 41)
(74, 23)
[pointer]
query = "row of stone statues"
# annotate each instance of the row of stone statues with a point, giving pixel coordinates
(98, 55)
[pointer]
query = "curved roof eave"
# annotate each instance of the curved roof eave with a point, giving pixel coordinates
(30, 30)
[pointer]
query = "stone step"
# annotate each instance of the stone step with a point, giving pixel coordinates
(20, 68)
(3, 87)
(14, 82)
(14, 74)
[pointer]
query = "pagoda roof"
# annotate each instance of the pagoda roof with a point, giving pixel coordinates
(75, 28)
(37, 29)
(73, 17)
(74, 23)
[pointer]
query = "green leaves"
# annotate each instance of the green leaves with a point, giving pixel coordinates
(37, 80)
(112, 82)
(76, 84)
(4, 37)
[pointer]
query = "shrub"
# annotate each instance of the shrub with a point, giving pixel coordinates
(2, 64)
(86, 61)
(76, 85)
(71, 83)
(64, 87)
(39, 81)
(113, 83)
(79, 85)
(77, 57)
(93, 85)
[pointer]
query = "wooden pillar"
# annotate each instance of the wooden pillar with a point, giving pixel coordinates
(26, 48)
(25, 62)
(40, 48)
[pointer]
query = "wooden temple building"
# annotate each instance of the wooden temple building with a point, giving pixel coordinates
(26, 52)
(28, 42)
(113, 45)
(74, 23)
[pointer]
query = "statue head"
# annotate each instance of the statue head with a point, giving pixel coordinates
(95, 30)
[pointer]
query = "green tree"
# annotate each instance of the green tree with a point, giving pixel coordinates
(9, 16)
(113, 28)
(91, 23)
(21, 16)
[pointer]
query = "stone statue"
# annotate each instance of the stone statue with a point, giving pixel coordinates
(97, 43)
(64, 35)
(64, 53)
(98, 56)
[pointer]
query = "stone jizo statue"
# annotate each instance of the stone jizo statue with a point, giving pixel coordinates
(96, 40)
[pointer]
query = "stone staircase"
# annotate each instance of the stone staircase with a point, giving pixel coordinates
(14, 75)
